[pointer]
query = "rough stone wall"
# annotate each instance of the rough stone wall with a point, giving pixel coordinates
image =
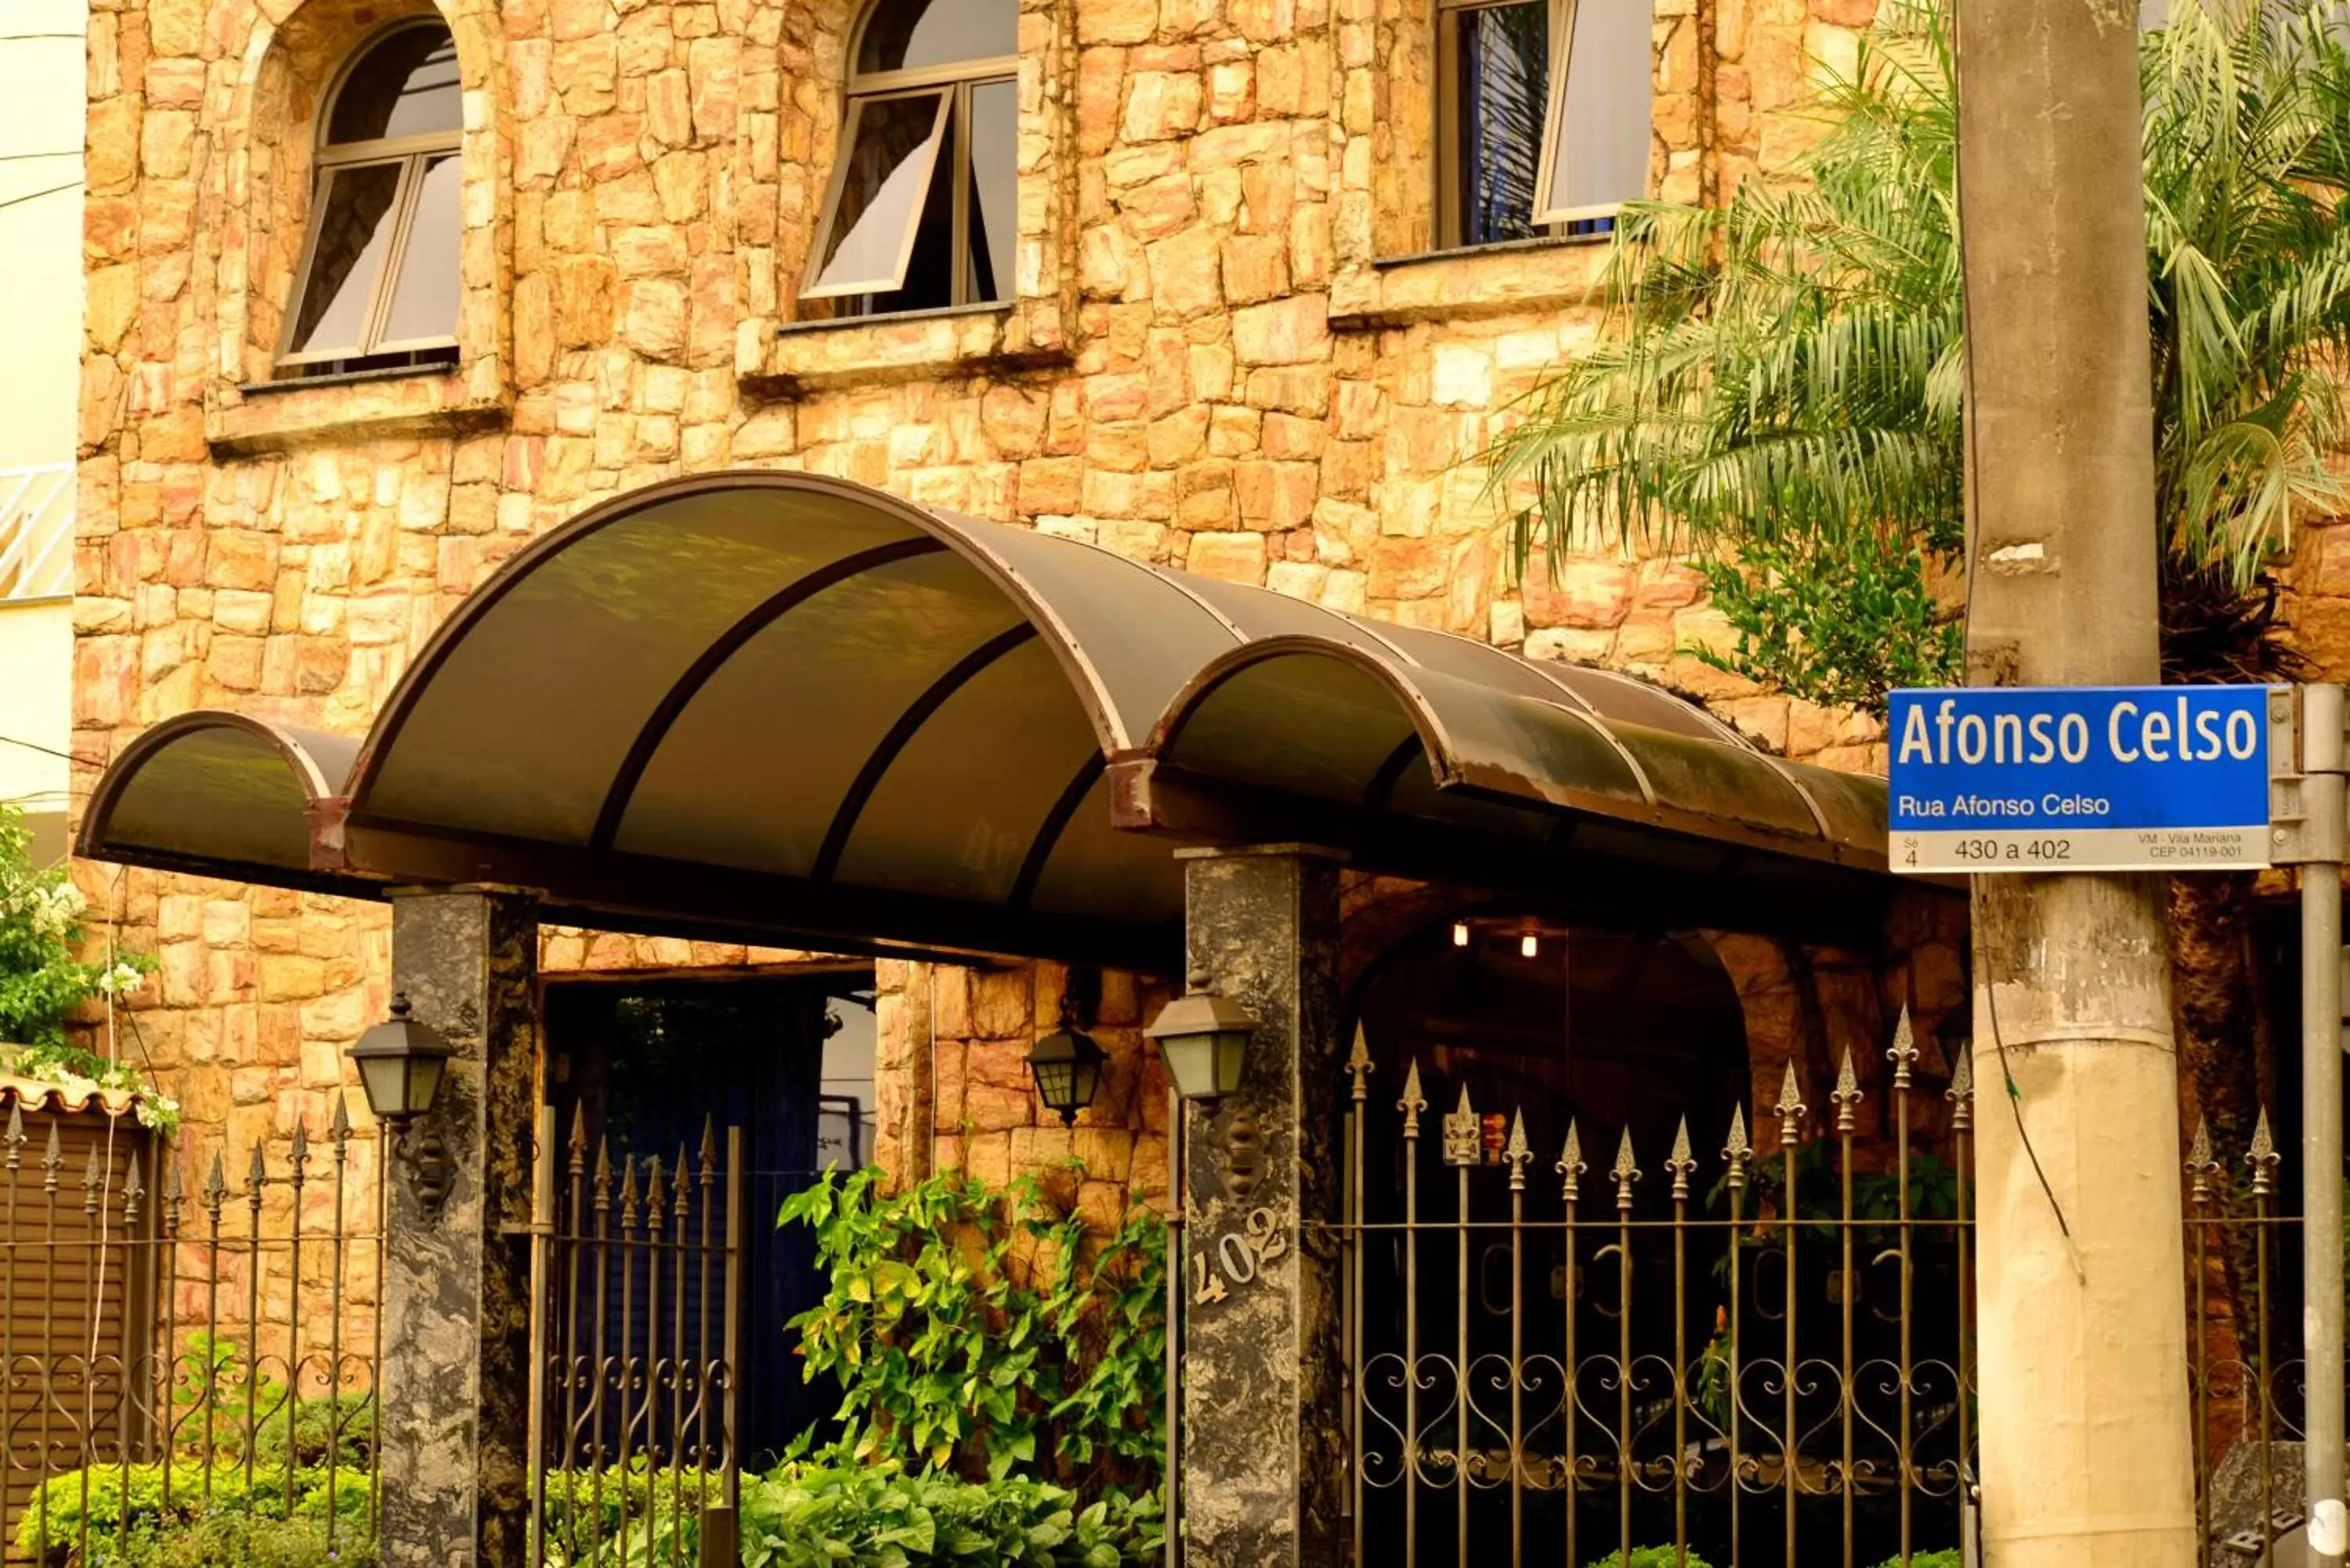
(955, 1093)
(1220, 356)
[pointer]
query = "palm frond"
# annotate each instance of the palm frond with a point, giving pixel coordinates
(1785, 374)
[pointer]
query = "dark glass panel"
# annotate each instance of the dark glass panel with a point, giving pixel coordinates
(1502, 55)
(406, 85)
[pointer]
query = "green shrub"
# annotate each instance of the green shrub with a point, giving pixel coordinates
(1651, 1557)
(802, 1515)
(979, 1330)
(1948, 1557)
(583, 1515)
(126, 1515)
(879, 1516)
(225, 1543)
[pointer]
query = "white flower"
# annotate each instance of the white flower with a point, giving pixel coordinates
(53, 911)
(120, 980)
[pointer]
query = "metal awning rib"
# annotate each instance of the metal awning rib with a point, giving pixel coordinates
(782, 704)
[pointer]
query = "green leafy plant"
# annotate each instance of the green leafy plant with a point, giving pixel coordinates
(984, 1331)
(1948, 1557)
(237, 1543)
(881, 1516)
(42, 981)
(1651, 1557)
(219, 1392)
(802, 1514)
(1819, 1201)
(1781, 392)
(121, 1513)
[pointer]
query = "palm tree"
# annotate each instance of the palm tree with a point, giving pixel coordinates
(1783, 393)
(1781, 396)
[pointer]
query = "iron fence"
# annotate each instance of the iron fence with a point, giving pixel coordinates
(637, 1336)
(1762, 1360)
(170, 1355)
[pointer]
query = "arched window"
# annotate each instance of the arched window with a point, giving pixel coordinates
(1543, 116)
(378, 279)
(922, 209)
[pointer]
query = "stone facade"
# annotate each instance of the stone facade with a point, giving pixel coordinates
(1226, 353)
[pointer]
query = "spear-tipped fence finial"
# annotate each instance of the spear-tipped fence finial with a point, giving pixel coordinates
(2201, 1169)
(1465, 1135)
(1517, 1152)
(1962, 1093)
(1358, 1065)
(1626, 1171)
(1738, 1151)
(1681, 1164)
(1414, 1101)
(1790, 1110)
(2263, 1156)
(1903, 1053)
(1845, 1096)
(1571, 1165)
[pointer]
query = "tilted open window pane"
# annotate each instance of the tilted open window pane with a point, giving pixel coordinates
(1598, 145)
(879, 193)
(916, 35)
(994, 135)
(423, 307)
(405, 86)
(359, 210)
(1501, 60)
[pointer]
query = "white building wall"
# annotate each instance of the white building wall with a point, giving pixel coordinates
(41, 82)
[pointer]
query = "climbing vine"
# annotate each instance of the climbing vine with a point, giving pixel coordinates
(986, 1330)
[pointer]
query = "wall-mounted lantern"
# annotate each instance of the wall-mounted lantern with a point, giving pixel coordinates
(1068, 1069)
(1205, 1039)
(402, 1062)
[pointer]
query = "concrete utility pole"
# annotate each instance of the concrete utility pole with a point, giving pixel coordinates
(2085, 1459)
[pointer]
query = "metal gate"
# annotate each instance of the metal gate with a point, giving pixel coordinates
(1760, 1358)
(187, 1334)
(636, 1336)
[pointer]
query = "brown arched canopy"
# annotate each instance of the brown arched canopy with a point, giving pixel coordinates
(792, 708)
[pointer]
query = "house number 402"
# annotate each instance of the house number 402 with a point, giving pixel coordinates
(1237, 1256)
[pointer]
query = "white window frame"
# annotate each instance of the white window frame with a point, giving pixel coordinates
(412, 154)
(957, 79)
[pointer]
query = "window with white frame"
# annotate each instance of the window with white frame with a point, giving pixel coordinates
(1543, 116)
(379, 280)
(922, 209)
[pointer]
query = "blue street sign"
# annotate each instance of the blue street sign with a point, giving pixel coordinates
(2107, 778)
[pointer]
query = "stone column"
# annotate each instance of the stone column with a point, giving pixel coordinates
(1263, 1384)
(456, 1329)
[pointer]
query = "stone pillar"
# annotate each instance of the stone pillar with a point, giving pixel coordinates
(456, 1328)
(1262, 1382)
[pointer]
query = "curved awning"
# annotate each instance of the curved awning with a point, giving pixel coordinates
(787, 706)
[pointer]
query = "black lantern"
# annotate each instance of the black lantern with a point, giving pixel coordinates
(1068, 1068)
(1205, 1038)
(402, 1062)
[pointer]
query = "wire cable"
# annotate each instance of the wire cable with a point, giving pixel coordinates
(36, 195)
